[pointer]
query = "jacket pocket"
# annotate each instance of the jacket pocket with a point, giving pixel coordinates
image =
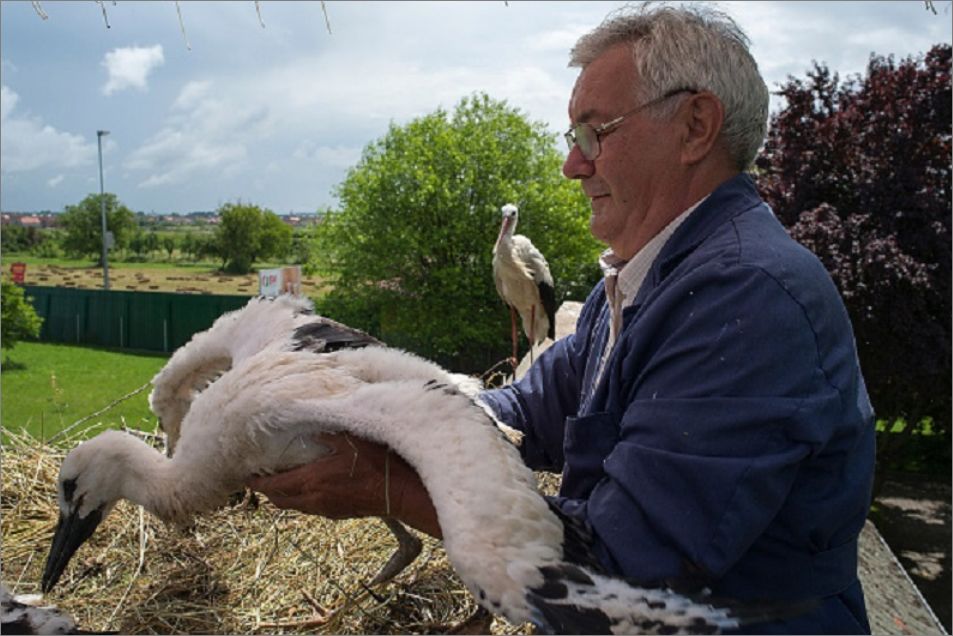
(587, 442)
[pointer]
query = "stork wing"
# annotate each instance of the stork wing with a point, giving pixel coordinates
(323, 334)
(536, 264)
(547, 296)
(284, 322)
(533, 260)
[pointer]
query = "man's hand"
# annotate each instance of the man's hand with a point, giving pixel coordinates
(358, 479)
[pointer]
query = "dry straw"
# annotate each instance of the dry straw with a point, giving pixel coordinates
(242, 570)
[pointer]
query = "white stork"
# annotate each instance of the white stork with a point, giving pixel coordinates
(284, 323)
(517, 555)
(523, 281)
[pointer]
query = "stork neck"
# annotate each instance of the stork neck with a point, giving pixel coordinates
(497, 530)
(506, 231)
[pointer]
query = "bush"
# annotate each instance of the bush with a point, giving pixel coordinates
(860, 173)
(18, 319)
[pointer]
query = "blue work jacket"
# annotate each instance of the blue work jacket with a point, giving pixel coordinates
(730, 438)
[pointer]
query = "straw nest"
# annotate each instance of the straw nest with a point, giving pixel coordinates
(242, 570)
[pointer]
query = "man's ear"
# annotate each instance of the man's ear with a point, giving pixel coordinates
(702, 116)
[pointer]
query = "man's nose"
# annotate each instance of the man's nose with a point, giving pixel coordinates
(577, 166)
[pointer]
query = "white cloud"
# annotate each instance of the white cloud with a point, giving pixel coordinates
(55, 181)
(29, 144)
(130, 67)
(207, 130)
(335, 156)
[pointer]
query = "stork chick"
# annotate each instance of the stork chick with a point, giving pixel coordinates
(524, 283)
(513, 552)
(284, 323)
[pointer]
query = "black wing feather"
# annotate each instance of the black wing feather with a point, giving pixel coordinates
(324, 335)
(548, 297)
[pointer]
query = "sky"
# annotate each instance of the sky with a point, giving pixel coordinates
(230, 110)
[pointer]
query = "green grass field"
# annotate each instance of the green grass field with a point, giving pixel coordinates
(46, 387)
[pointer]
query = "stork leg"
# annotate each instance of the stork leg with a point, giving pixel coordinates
(513, 360)
(408, 547)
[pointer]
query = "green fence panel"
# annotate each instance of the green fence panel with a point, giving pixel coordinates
(149, 321)
(106, 316)
(191, 314)
(63, 311)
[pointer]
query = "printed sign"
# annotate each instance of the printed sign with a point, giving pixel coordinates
(282, 280)
(18, 272)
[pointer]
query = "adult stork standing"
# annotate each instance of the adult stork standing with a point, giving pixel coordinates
(262, 416)
(524, 282)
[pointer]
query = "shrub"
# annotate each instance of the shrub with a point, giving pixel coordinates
(860, 173)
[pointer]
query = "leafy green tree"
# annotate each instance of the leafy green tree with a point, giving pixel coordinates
(152, 242)
(169, 245)
(84, 230)
(409, 253)
(137, 244)
(18, 319)
(247, 234)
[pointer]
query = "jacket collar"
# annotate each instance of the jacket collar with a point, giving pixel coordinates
(729, 199)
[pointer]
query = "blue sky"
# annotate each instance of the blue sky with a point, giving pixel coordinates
(276, 115)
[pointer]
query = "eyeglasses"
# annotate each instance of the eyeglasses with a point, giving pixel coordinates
(587, 136)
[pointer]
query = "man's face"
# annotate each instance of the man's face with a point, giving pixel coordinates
(637, 158)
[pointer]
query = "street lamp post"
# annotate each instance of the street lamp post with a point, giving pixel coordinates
(102, 203)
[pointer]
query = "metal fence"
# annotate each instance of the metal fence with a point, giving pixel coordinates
(148, 321)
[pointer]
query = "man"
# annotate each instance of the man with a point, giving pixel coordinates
(708, 415)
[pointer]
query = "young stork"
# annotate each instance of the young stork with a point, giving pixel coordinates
(516, 555)
(285, 323)
(524, 283)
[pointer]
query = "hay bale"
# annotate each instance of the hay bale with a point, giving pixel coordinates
(237, 571)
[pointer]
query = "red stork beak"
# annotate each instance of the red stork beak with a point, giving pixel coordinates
(507, 221)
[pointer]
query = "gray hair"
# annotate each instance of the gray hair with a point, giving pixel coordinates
(693, 46)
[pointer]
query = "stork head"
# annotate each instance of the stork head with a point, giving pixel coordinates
(89, 484)
(510, 217)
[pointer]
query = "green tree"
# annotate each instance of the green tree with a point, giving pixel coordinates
(137, 244)
(152, 242)
(84, 230)
(169, 245)
(409, 252)
(248, 233)
(18, 319)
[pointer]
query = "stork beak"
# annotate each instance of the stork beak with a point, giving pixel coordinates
(503, 228)
(71, 532)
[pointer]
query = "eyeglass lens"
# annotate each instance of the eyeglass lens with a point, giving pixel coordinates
(585, 137)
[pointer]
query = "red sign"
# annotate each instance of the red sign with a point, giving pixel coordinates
(18, 271)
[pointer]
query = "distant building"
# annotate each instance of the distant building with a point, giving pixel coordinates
(30, 219)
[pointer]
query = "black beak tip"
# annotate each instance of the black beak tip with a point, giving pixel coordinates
(71, 532)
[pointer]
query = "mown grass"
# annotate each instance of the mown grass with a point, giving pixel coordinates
(47, 387)
(156, 276)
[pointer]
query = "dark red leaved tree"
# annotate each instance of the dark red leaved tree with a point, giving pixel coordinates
(859, 172)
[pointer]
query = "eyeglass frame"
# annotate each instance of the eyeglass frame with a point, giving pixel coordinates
(604, 129)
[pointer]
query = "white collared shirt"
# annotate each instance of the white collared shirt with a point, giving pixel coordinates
(624, 278)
